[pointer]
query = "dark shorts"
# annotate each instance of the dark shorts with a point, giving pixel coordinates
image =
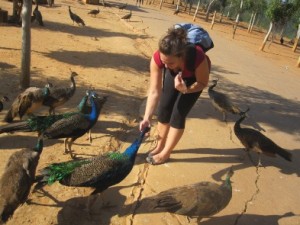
(175, 106)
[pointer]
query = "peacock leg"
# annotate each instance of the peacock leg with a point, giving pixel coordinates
(199, 220)
(259, 161)
(224, 116)
(65, 144)
(90, 136)
(70, 146)
(89, 133)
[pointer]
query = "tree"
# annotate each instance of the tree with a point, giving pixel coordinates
(26, 44)
(279, 12)
(208, 9)
(256, 7)
(237, 19)
(223, 5)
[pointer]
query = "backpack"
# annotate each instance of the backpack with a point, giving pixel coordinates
(197, 35)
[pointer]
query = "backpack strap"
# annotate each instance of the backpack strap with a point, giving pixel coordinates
(190, 58)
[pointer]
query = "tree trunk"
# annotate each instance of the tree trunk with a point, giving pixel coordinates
(213, 20)
(196, 10)
(221, 16)
(266, 37)
(237, 20)
(296, 39)
(208, 9)
(228, 13)
(178, 3)
(26, 46)
(253, 21)
(160, 4)
(190, 6)
(235, 25)
(250, 22)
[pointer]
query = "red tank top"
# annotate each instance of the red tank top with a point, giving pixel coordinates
(186, 72)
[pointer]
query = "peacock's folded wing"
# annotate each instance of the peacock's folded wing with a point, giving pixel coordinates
(101, 172)
(67, 127)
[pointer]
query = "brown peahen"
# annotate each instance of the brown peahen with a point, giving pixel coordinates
(16, 181)
(76, 125)
(222, 102)
(255, 141)
(41, 123)
(3, 99)
(60, 95)
(27, 102)
(199, 200)
(37, 15)
(75, 18)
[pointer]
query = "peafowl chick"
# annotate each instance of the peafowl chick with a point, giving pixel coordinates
(60, 95)
(76, 125)
(99, 172)
(41, 123)
(94, 12)
(127, 16)
(255, 141)
(75, 18)
(222, 102)
(200, 200)
(37, 15)
(16, 181)
(26, 103)
(3, 99)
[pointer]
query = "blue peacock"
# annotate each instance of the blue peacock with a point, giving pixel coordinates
(76, 125)
(99, 172)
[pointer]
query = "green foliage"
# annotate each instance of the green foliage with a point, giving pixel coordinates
(223, 3)
(255, 6)
(279, 12)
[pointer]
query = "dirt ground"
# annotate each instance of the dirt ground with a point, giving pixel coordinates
(112, 56)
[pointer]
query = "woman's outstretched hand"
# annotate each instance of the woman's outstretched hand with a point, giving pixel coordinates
(144, 124)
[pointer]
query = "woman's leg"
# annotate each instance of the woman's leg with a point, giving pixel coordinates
(172, 138)
(163, 129)
(165, 108)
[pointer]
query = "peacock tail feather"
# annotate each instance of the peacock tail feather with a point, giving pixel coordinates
(116, 156)
(58, 171)
(41, 123)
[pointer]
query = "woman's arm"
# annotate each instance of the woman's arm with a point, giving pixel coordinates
(153, 93)
(202, 77)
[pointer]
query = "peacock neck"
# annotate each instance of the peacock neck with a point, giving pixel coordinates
(131, 153)
(82, 103)
(39, 146)
(72, 86)
(228, 182)
(46, 91)
(93, 116)
(212, 87)
(237, 124)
